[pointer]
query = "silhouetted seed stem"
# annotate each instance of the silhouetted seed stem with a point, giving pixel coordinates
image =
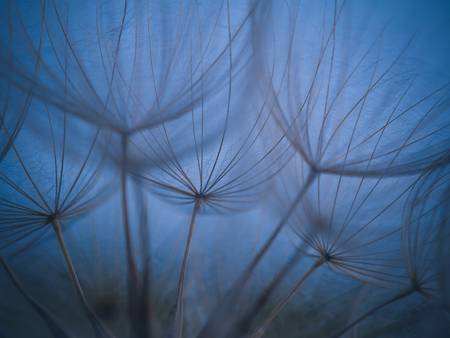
(125, 213)
(179, 315)
(283, 302)
(56, 330)
(403, 294)
(131, 266)
(309, 180)
(69, 263)
(229, 302)
(249, 314)
(100, 330)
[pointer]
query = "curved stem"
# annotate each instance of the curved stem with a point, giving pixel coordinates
(309, 180)
(131, 265)
(97, 325)
(124, 201)
(179, 315)
(56, 329)
(228, 305)
(403, 294)
(283, 302)
(244, 323)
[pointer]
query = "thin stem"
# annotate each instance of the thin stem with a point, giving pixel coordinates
(131, 265)
(56, 329)
(403, 294)
(124, 201)
(180, 289)
(144, 305)
(100, 330)
(309, 180)
(229, 303)
(244, 323)
(283, 302)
